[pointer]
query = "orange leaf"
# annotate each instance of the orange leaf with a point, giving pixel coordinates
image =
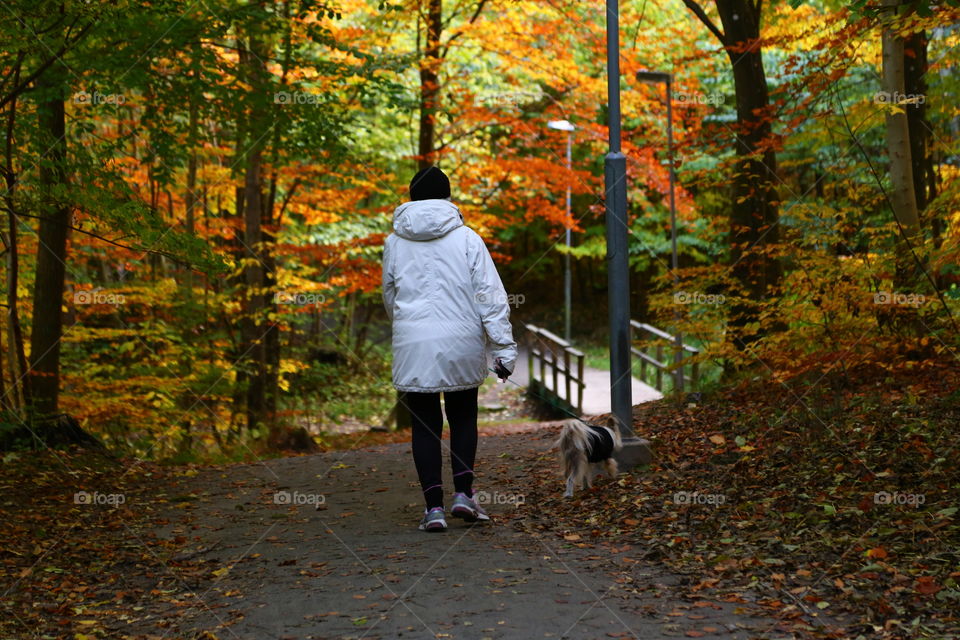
(927, 586)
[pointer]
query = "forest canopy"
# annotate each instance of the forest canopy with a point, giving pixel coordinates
(196, 194)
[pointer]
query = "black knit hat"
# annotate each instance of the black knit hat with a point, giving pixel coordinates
(430, 184)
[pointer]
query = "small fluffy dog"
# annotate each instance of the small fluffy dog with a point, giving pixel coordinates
(583, 448)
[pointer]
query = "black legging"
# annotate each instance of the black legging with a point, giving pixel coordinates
(461, 409)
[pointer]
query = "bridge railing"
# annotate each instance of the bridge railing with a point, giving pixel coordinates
(556, 369)
(649, 345)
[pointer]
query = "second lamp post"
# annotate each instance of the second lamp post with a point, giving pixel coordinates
(565, 125)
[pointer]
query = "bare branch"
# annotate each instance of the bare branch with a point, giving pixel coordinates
(705, 19)
(473, 18)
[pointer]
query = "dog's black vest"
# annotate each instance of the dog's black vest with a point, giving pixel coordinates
(601, 444)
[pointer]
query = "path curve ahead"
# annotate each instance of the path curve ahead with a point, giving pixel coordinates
(596, 390)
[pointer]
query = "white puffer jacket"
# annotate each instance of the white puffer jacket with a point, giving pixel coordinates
(445, 298)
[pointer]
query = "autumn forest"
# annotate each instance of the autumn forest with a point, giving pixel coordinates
(195, 200)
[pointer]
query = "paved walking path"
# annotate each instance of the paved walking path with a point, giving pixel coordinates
(359, 568)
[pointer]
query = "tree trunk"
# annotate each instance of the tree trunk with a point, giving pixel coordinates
(430, 84)
(754, 212)
(19, 380)
(252, 321)
(19, 397)
(47, 325)
(271, 220)
(235, 284)
(191, 195)
(253, 279)
(921, 132)
(915, 87)
(271, 338)
(902, 195)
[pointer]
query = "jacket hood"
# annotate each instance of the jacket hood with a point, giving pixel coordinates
(426, 219)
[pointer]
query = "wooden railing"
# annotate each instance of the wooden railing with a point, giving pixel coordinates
(653, 344)
(556, 369)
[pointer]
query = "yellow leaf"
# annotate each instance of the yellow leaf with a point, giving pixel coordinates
(222, 571)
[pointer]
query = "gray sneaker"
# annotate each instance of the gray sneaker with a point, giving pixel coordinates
(433, 520)
(467, 508)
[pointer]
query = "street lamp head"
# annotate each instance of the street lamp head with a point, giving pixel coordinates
(561, 125)
(653, 76)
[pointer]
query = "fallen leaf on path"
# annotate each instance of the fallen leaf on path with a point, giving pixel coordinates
(927, 586)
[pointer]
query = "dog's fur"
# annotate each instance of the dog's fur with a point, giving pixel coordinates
(576, 444)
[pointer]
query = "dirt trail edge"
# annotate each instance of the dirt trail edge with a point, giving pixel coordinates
(265, 563)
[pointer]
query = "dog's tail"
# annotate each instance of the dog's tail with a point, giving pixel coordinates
(572, 444)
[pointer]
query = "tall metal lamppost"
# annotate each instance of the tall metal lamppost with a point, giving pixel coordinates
(565, 125)
(618, 267)
(657, 77)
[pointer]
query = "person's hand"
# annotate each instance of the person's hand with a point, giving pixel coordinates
(502, 372)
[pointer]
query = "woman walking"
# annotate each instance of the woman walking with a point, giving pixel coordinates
(442, 292)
